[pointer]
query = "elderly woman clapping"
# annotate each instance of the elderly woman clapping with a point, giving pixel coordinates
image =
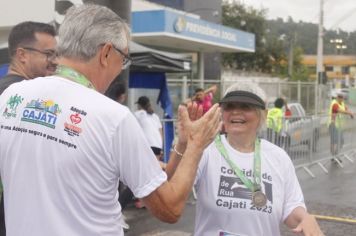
(247, 185)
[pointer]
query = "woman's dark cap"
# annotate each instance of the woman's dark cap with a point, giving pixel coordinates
(244, 97)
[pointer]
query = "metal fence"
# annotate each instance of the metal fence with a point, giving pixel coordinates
(307, 141)
(314, 98)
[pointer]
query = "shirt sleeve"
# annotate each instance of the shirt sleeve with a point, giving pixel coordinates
(137, 165)
(159, 124)
(335, 108)
(208, 97)
(293, 196)
(288, 113)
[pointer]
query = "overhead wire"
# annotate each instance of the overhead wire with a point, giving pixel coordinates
(343, 18)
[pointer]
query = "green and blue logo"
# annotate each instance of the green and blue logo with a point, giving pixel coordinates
(11, 106)
(42, 112)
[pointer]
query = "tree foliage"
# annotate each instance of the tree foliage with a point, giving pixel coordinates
(248, 19)
(269, 50)
(273, 41)
(307, 36)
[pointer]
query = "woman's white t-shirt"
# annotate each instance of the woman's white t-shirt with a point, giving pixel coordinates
(151, 126)
(224, 202)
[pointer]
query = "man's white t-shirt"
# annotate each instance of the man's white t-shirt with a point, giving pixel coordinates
(224, 202)
(151, 126)
(63, 149)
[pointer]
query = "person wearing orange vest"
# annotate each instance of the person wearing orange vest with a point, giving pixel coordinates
(337, 112)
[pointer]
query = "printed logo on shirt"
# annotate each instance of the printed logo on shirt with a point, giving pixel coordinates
(42, 112)
(72, 127)
(79, 111)
(11, 106)
(232, 193)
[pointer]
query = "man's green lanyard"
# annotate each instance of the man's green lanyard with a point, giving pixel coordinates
(256, 186)
(73, 75)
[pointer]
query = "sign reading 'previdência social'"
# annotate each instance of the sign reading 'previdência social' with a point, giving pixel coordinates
(181, 24)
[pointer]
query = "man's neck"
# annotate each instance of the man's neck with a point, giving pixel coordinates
(15, 69)
(83, 68)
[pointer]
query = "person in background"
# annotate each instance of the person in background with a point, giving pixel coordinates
(337, 112)
(32, 54)
(117, 92)
(204, 98)
(71, 145)
(275, 122)
(246, 185)
(121, 94)
(151, 125)
(287, 112)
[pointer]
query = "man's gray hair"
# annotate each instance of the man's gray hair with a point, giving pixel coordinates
(86, 27)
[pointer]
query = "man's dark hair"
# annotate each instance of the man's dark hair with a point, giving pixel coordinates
(119, 90)
(145, 104)
(23, 34)
(116, 89)
(197, 90)
(279, 103)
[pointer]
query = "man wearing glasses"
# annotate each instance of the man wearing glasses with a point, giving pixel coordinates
(64, 146)
(32, 52)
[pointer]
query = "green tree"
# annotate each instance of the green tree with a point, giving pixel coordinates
(300, 71)
(268, 50)
(275, 48)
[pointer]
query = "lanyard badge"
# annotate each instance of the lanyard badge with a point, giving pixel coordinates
(259, 199)
(73, 75)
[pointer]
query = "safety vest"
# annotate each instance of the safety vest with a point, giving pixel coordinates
(338, 119)
(274, 119)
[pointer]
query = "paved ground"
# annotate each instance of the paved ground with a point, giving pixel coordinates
(332, 194)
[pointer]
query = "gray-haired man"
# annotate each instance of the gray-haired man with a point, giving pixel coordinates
(66, 146)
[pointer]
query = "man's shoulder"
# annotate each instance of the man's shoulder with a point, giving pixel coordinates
(140, 113)
(336, 106)
(7, 80)
(209, 96)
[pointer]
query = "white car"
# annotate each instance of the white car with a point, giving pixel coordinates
(299, 129)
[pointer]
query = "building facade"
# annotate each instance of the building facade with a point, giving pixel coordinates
(339, 69)
(209, 10)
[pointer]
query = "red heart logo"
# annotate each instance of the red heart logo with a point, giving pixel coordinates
(75, 118)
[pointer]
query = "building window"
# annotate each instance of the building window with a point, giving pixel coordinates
(345, 70)
(329, 68)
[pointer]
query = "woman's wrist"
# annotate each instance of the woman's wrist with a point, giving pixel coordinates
(179, 148)
(178, 153)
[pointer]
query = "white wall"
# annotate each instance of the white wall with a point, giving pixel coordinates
(16, 11)
(13, 12)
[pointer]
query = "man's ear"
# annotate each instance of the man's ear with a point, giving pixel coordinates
(104, 54)
(21, 55)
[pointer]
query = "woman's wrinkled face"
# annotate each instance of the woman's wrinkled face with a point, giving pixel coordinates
(240, 118)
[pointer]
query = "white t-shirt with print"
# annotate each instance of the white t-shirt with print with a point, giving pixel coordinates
(224, 202)
(63, 149)
(151, 126)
